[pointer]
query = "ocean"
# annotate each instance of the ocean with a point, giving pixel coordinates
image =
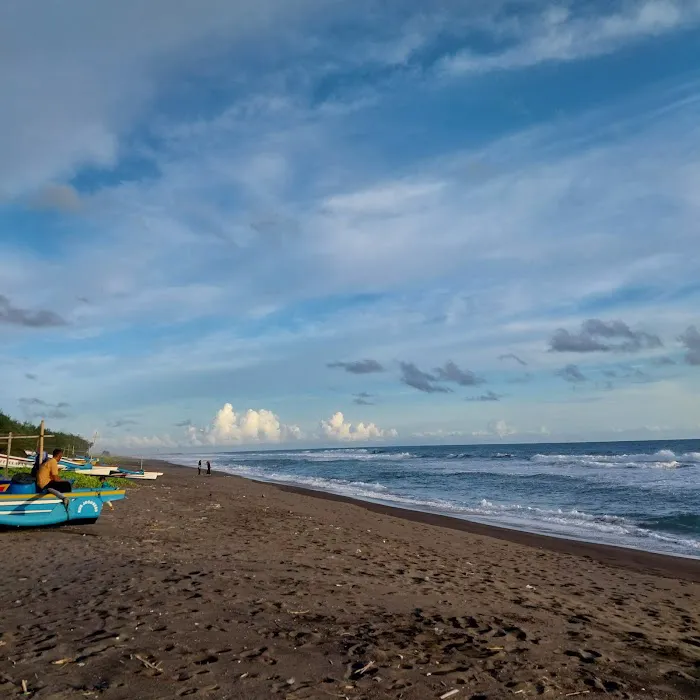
(644, 495)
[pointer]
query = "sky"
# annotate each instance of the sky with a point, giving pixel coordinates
(229, 224)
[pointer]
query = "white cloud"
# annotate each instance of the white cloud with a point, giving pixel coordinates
(76, 75)
(496, 428)
(269, 207)
(559, 35)
(231, 428)
(337, 428)
(144, 442)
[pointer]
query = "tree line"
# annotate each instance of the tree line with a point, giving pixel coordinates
(68, 441)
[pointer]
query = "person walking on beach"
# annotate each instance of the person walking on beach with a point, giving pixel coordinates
(208, 468)
(199, 468)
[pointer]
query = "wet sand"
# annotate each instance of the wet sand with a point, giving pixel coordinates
(219, 587)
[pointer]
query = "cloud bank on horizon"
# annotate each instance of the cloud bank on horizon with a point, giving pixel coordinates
(446, 218)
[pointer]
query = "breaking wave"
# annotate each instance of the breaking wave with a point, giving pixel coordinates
(663, 459)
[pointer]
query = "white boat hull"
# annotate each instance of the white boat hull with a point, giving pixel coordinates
(90, 471)
(16, 462)
(144, 475)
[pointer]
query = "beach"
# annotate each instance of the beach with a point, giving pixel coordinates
(222, 587)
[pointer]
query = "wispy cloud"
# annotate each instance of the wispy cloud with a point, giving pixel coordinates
(514, 357)
(122, 423)
(64, 198)
(521, 379)
(418, 379)
(450, 372)
(14, 315)
(366, 366)
(571, 373)
(488, 396)
(363, 399)
(690, 339)
(663, 361)
(34, 408)
(603, 336)
(561, 34)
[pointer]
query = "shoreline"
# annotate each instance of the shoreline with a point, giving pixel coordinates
(221, 588)
(638, 560)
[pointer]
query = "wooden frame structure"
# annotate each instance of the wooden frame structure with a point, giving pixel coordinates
(10, 437)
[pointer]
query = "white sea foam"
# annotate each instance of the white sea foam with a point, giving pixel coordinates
(428, 488)
(569, 523)
(663, 459)
(335, 455)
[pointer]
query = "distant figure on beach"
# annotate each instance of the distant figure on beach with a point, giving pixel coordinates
(199, 468)
(208, 468)
(47, 474)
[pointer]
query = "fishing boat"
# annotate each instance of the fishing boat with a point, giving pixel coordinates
(89, 469)
(139, 474)
(15, 462)
(64, 465)
(22, 506)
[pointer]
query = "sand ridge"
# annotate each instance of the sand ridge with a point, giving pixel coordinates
(218, 587)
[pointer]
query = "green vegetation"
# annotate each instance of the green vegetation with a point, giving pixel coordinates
(67, 441)
(82, 481)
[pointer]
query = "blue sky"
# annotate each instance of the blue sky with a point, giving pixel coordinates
(226, 224)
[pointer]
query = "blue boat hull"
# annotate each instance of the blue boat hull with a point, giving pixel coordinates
(19, 508)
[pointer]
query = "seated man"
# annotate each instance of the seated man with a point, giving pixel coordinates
(47, 475)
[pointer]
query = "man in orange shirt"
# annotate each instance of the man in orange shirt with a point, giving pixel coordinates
(47, 474)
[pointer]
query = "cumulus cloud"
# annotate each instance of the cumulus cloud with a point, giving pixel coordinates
(690, 339)
(571, 373)
(450, 372)
(603, 336)
(423, 381)
(514, 357)
(231, 428)
(337, 428)
(11, 314)
(365, 366)
(488, 396)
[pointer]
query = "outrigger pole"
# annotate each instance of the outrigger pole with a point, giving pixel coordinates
(9, 437)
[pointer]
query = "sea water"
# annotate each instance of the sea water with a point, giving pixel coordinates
(644, 495)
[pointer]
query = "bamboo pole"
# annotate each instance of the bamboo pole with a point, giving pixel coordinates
(40, 451)
(7, 456)
(11, 436)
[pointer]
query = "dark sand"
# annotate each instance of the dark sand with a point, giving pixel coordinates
(218, 587)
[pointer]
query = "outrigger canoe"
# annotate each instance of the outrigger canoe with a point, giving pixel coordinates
(89, 469)
(140, 474)
(22, 506)
(64, 465)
